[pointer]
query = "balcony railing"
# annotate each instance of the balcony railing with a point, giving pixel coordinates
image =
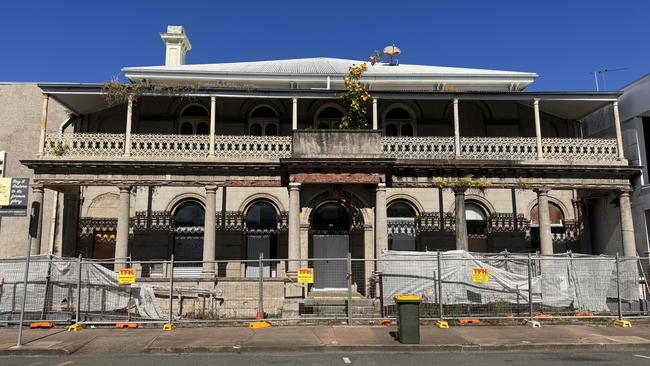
(106, 146)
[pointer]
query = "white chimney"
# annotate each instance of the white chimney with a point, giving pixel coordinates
(176, 45)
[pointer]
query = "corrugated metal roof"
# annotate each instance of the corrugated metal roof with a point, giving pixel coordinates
(327, 66)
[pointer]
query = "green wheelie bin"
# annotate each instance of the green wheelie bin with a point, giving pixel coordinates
(408, 319)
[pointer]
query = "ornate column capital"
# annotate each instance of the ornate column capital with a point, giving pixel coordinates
(37, 188)
(211, 188)
(542, 191)
(294, 186)
(459, 190)
(381, 186)
(124, 188)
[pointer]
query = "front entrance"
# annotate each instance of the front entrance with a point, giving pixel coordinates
(188, 239)
(331, 244)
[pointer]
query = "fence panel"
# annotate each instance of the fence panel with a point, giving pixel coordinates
(452, 285)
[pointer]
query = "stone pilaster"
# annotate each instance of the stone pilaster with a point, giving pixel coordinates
(122, 235)
(627, 225)
(209, 231)
(294, 227)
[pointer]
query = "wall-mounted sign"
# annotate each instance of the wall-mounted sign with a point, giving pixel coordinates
(305, 275)
(13, 196)
(126, 276)
(480, 275)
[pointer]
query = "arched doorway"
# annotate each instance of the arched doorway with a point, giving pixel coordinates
(194, 120)
(189, 218)
(261, 238)
(330, 229)
(477, 224)
(558, 231)
(402, 234)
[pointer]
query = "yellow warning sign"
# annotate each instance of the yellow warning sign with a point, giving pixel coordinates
(5, 191)
(126, 276)
(480, 275)
(305, 275)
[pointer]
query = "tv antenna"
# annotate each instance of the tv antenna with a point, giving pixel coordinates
(601, 73)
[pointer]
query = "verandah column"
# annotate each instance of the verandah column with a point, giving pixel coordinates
(461, 220)
(209, 230)
(538, 130)
(619, 135)
(544, 218)
(627, 225)
(294, 227)
(456, 130)
(41, 144)
(129, 122)
(213, 127)
(375, 118)
(294, 113)
(381, 222)
(37, 197)
(122, 235)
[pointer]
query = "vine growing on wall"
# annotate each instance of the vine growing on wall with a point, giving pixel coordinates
(118, 93)
(466, 182)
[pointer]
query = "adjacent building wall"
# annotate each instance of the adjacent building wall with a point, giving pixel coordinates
(20, 117)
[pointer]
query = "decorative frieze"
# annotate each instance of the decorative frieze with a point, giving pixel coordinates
(84, 145)
(431, 147)
(571, 149)
(498, 148)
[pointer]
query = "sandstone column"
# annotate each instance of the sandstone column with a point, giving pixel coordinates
(294, 227)
(461, 219)
(294, 113)
(627, 226)
(122, 238)
(209, 231)
(381, 223)
(37, 197)
(544, 218)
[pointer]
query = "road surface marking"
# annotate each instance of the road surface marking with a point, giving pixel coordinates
(34, 364)
(64, 363)
(346, 360)
(642, 356)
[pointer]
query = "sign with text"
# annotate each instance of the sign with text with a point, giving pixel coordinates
(126, 276)
(480, 275)
(305, 275)
(13, 196)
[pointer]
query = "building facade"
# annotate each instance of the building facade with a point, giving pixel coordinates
(222, 163)
(634, 104)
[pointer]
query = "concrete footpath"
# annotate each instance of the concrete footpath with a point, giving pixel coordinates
(322, 338)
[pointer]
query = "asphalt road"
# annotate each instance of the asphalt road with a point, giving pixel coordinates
(376, 359)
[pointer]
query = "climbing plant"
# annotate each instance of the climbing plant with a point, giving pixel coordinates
(355, 99)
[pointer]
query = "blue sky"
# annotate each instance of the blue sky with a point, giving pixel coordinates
(563, 41)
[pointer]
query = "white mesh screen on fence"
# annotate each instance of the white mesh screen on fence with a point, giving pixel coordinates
(579, 282)
(100, 292)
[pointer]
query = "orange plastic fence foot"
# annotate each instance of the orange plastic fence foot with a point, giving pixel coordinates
(41, 325)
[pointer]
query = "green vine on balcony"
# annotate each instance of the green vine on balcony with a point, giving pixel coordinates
(118, 93)
(466, 182)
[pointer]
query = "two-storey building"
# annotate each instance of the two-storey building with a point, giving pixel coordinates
(222, 162)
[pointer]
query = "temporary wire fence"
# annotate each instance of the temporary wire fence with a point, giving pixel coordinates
(451, 285)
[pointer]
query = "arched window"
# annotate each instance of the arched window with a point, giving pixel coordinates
(261, 238)
(263, 121)
(331, 218)
(329, 117)
(194, 120)
(402, 233)
(398, 121)
(188, 218)
(476, 219)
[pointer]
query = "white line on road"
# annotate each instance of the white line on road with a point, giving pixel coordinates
(64, 363)
(642, 356)
(346, 360)
(33, 364)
